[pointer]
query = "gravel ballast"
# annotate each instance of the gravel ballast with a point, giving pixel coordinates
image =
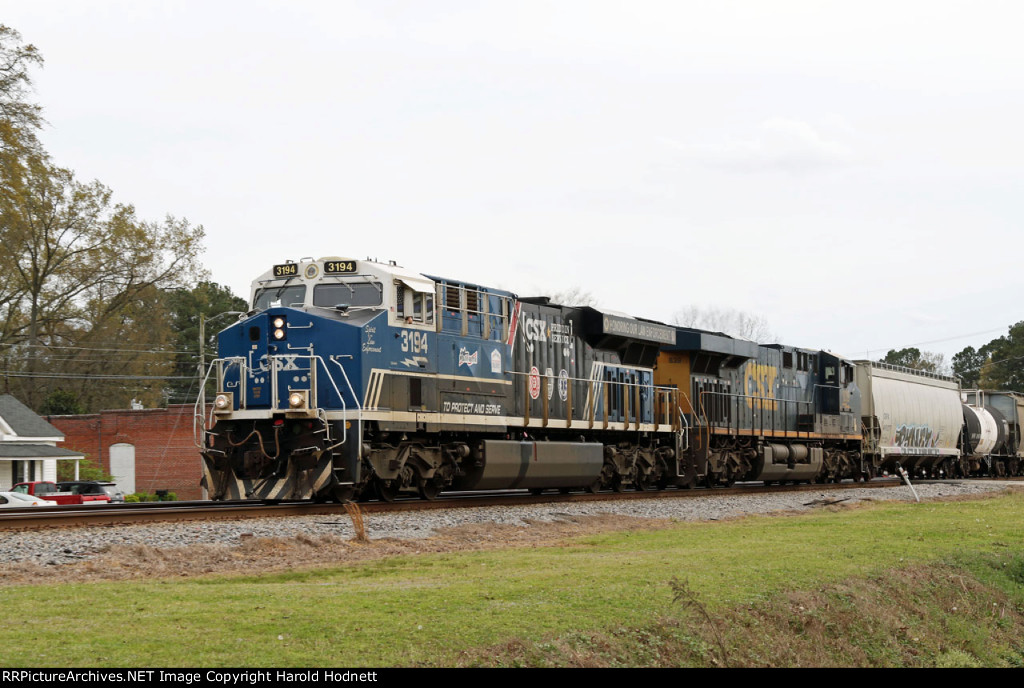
(57, 547)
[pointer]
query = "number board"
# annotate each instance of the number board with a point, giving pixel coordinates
(339, 267)
(286, 270)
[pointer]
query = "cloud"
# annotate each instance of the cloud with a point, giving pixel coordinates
(779, 144)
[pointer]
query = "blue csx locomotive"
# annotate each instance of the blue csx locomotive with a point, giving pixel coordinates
(356, 378)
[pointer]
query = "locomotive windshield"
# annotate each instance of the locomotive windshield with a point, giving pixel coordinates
(288, 296)
(351, 294)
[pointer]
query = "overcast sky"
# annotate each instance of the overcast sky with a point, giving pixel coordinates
(850, 171)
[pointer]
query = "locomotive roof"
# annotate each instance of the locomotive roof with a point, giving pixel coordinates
(490, 290)
(692, 339)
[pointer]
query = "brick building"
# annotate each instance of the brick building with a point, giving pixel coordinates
(145, 450)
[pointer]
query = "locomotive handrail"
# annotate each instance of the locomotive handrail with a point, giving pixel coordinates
(684, 430)
(702, 415)
(199, 420)
(731, 416)
(344, 406)
(355, 398)
(199, 417)
(630, 410)
(314, 358)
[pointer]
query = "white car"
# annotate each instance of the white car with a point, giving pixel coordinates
(17, 500)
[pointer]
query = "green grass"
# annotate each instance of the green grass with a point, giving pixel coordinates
(425, 610)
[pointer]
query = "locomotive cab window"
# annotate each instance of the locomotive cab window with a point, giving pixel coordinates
(280, 296)
(413, 307)
(423, 308)
(352, 294)
(847, 374)
(830, 375)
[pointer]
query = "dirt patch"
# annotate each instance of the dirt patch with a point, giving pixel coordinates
(253, 554)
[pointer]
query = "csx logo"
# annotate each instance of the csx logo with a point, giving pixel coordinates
(534, 330)
(760, 382)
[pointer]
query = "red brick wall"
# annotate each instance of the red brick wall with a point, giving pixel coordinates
(166, 457)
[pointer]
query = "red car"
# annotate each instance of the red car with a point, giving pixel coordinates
(82, 492)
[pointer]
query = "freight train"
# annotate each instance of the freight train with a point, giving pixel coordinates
(354, 379)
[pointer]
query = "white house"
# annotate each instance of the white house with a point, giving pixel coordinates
(28, 445)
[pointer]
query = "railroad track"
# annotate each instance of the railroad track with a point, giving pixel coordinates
(150, 512)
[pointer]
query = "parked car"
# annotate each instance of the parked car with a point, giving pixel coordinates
(88, 488)
(116, 495)
(73, 492)
(17, 500)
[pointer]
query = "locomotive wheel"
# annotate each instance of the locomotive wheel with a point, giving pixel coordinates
(343, 494)
(649, 481)
(429, 490)
(594, 487)
(388, 490)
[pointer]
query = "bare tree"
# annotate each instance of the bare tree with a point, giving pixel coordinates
(83, 276)
(80, 272)
(573, 296)
(730, 321)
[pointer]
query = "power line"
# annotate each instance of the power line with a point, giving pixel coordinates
(934, 341)
(84, 376)
(86, 348)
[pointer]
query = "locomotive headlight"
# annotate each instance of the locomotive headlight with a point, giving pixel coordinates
(279, 328)
(222, 403)
(297, 400)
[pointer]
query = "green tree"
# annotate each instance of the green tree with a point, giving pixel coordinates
(967, 365)
(1004, 367)
(61, 402)
(917, 360)
(185, 308)
(87, 470)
